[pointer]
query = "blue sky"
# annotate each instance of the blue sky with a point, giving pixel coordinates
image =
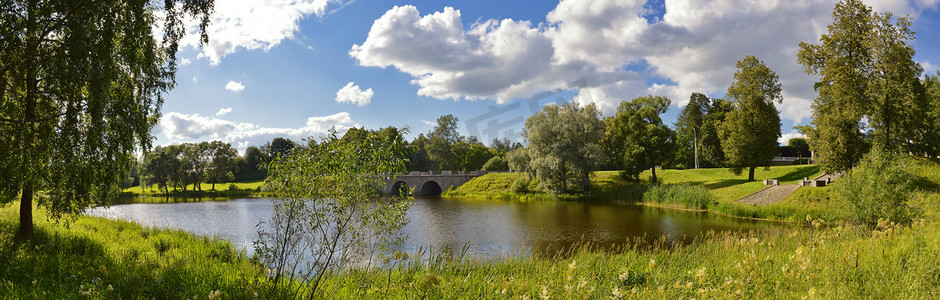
(294, 68)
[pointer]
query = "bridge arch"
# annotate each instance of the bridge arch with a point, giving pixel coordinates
(400, 187)
(429, 188)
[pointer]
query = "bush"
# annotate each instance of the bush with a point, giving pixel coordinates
(520, 186)
(878, 188)
(686, 195)
(232, 187)
(497, 163)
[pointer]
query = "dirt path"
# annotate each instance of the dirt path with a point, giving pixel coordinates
(769, 195)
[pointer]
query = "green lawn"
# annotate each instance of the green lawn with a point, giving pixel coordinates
(221, 189)
(724, 185)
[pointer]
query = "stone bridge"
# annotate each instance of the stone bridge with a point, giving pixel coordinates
(429, 183)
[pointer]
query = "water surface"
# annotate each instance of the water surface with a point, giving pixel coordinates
(492, 227)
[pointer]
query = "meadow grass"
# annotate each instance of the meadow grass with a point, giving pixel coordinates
(821, 262)
(98, 258)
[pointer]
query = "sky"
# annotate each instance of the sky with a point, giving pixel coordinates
(296, 68)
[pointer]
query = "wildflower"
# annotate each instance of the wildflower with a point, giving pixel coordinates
(545, 294)
(34, 282)
(651, 265)
(110, 288)
(700, 275)
(616, 293)
(573, 265)
(625, 275)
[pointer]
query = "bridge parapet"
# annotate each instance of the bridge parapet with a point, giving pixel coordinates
(429, 183)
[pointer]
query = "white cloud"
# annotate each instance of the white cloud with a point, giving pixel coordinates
(185, 61)
(785, 138)
(694, 46)
(223, 111)
(429, 123)
(195, 80)
(353, 94)
(234, 86)
(252, 24)
(193, 127)
(929, 68)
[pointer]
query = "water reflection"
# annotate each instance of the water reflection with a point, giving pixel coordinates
(492, 227)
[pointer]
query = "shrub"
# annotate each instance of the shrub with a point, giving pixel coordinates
(878, 188)
(520, 186)
(232, 187)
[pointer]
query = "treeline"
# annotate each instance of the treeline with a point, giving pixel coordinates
(445, 149)
(178, 167)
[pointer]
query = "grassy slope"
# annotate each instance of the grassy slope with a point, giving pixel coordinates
(101, 258)
(723, 184)
(221, 189)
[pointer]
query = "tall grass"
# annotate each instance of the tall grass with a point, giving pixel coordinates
(892, 262)
(694, 197)
(108, 259)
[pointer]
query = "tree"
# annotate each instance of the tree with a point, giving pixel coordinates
(81, 86)
(325, 217)
(418, 155)
(749, 133)
(564, 146)
(475, 156)
(280, 147)
(158, 168)
(639, 136)
(689, 130)
(711, 143)
(866, 71)
(222, 168)
(799, 145)
(497, 163)
(254, 161)
(930, 143)
(441, 143)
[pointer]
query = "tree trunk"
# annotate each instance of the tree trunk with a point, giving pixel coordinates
(750, 173)
(653, 169)
(26, 212)
(32, 86)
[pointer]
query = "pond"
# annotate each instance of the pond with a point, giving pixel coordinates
(492, 227)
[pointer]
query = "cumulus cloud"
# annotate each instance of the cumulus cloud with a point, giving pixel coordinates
(192, 127)
(353, 94)
(223, 111)
(185, 61)
(693, 47)
(251, 24)
(234, 86)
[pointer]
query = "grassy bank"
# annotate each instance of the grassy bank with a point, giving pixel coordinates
(108, 259)
(234, 189)
(715, 190)
(836, 263)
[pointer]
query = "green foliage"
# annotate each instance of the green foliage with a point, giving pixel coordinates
(81, 87)
(497, 163)
(689, 130)
(879, 188)
(636, 137)
(519, 186)
(711, 142)
(564, 147)
(866, 69)
(799, 145)
(441, 142)
(325, 217)
(749, 133)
